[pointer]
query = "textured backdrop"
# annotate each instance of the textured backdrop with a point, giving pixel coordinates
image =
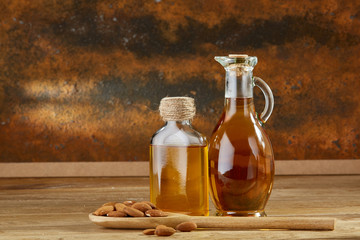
(82, 80)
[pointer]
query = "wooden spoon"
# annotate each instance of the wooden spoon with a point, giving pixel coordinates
(294, 223)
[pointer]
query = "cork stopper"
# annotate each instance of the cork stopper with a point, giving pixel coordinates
(238, 55)
(177, 108)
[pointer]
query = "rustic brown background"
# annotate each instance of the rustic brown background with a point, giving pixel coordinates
(82, 80)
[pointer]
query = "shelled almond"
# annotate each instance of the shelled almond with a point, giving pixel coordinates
(129, 203)
(132, 212)
(186, 226)
(116, 214)
(102, 211)
(109, 204)
(162, 230)
(141, 206)
(150, 231)
(119, 206)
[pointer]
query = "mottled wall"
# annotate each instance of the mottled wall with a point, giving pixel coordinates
(82, 80)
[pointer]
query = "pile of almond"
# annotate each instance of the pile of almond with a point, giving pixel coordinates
(142, 209)
(129, 209)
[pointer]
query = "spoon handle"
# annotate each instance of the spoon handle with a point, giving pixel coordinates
(294, 223)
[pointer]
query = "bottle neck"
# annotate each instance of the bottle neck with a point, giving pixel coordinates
(243, 107)
(238, 82)
(179, 123)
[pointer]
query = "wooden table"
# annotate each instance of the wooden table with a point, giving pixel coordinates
(57, 208)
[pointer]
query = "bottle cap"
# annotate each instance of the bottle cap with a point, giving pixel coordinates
(177, 108)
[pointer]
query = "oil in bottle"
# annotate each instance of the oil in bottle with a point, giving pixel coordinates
(179, 161)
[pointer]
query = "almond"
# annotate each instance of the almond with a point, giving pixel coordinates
(162, 230)
(116, 214)
(109, 204)
(129, 203)
(186, 226)
(150, 204)
(102, 211)
(141, 206)
(133, 212)
(119, 206)
(149, 231)
(155, 213)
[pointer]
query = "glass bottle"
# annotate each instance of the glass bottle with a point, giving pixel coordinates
(241, 160)
(179, 161)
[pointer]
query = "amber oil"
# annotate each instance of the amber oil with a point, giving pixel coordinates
(241, 161)
(179, 179)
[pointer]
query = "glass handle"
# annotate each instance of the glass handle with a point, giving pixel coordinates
(269, 99)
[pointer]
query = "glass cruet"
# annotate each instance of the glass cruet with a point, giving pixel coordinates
(241, 159)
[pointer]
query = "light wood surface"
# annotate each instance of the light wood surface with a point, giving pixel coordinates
(58, 208)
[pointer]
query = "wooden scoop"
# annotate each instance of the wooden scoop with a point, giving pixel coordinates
(294, 223)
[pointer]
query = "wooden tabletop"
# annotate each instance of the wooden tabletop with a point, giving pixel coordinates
(57, 208)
